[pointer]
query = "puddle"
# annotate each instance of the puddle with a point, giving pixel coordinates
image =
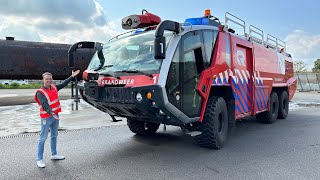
(307, 104)
(25, 118)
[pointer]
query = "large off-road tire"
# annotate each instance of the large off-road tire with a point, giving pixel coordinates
(271, 115)
(214, 126)
(283, 105)
(142, 127)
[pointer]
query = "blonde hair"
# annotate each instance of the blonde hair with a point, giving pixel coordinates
(46, 73)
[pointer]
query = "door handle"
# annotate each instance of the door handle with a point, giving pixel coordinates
(177, 95)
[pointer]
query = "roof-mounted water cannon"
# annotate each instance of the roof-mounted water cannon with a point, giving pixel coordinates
(146, 19)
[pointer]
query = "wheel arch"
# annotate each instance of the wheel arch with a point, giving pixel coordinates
(279, 90)
(227, 94)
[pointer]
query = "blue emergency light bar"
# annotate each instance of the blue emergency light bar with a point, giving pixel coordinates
(201, 21)
(197, 21)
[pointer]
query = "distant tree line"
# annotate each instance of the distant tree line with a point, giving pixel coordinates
(300, 66)
(316, 66)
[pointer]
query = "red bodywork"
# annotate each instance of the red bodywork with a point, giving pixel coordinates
(127, 81)
(249, 69)
(254, 70)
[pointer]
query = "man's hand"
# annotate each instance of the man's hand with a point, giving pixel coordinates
(55, 116)
(75, 73)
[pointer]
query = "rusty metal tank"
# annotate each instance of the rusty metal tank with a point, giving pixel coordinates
(28, 60)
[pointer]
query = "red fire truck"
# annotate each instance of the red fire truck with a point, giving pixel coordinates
(200, 75)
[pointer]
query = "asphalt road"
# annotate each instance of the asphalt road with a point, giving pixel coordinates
(287, 149)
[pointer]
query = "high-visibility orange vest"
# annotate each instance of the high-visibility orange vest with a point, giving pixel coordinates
(53, 100)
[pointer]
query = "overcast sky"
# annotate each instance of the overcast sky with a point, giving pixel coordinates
(69, 21)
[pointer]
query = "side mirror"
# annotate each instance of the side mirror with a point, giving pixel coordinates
(160, 47)
(78, 45)
(160, 41)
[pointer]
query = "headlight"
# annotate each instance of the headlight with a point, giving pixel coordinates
(139, 97)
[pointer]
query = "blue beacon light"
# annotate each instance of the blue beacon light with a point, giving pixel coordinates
(205, 20)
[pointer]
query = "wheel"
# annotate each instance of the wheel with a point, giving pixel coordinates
(283, 105)
(214, 126)
(271, 115)
(142, 127)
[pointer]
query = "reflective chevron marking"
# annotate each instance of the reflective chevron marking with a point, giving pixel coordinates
(241, 89)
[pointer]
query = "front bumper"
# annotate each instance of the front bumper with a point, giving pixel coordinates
(122, 102)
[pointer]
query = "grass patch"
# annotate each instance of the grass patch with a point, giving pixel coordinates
(16, 85)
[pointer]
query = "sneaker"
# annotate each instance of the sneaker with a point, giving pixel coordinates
(41, 164)
(57, 157)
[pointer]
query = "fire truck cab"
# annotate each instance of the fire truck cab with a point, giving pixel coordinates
(199, 75)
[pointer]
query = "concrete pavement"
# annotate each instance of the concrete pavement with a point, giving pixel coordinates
(288, 150)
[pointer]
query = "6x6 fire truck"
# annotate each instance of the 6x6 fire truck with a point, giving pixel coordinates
(198, 75)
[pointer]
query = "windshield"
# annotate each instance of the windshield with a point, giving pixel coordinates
(131, 53)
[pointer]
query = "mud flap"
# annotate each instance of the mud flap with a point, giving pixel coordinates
(292, 87)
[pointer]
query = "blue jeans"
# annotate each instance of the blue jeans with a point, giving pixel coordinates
(46, 124)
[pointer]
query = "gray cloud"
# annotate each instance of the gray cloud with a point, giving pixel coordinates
(58, 21)
(100, 21)
(88, 12)
(59, 26)
(303, 46)
(20, 32)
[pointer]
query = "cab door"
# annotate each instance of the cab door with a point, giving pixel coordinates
(243, 64)
(184, 73)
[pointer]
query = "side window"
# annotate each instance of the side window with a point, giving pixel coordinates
(192, 56)
(189, 68)
(173, 78)
(228, 53)
(183, 75)
(209, 41)
(193, 65)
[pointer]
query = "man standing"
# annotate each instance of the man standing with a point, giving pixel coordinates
(48, 100)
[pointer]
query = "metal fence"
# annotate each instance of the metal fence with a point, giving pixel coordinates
(308, 81)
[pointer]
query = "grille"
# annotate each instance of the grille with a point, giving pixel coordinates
(118, 94)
